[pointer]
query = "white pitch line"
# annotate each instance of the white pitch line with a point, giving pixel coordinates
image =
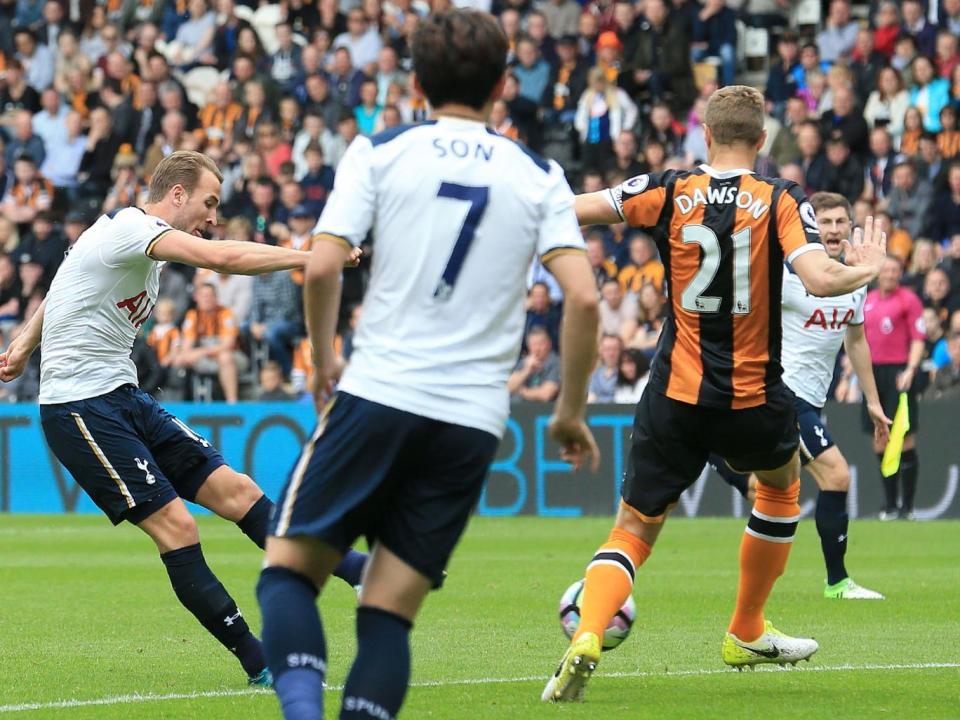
(142, 698)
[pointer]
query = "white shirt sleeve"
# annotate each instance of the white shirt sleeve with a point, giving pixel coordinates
(132, 232)
(349, 211)
(858, 318)
(559, 230)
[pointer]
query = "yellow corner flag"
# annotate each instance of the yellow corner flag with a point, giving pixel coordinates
(901, 426)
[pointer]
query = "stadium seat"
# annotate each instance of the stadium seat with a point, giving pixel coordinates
(264, 21)
(806, 12)
(199, 82)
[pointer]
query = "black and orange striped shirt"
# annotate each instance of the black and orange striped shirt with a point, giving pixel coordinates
(723, 238)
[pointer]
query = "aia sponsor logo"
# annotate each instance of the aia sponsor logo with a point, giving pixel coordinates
(833, 321)
(138, 308)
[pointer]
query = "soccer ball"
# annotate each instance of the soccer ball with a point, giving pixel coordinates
(617, 631)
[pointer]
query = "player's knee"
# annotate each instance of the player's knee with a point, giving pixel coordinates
(245, 493)
(838, 480)
(174, 527)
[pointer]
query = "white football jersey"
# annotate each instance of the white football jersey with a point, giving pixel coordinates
(813, 331)
(457, 214)
(105, 290)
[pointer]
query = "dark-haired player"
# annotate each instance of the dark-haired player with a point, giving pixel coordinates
(715, 384)
(401, 451)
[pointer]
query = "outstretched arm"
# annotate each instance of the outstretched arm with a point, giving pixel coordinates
(229, 256)
(14, 360)
(596, 209)
(825, 277)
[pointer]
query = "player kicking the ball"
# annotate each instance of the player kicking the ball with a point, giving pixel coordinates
(715, 384)
(136, 461)
(401, 451)
(813, 330)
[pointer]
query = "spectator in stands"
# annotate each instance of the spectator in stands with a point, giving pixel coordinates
(542, 312)
(44, 245)
(937, 296)
(173, 127)
(317, 182)
(715, 35)
(929, 93)
(882, 159)
(603, 112)
(865, 65)
(658, 58)
(368, 111)
(538, 33)
(649, 321)
(905, 52)
(784, 148)
(839, 36)
(210, 343)
(930, 164)
(24, 141)
(663, 129)
(165, 339)
(360, 39)
(219, 116)
(844, 172)
(618, 310)
(916, 25)
(531, 70)
(562, 16)
(886, 23)
(16, 93)
(642, 268)
(946, 382)
(29, 194)
(256, 112)
(536, 376)
(632, 377)
(811, 159)
(947, 57)
(781, 78)
(97, 161)
(9, 293)
(568, 80)
(948, 139)
(276, 315)
(603, 381)
(888, 103)
(271, 384)
(604, 269)
(37, 60)
(48, 123)
(285, 60)
(846, 122)
(945, 220)
(345, 79)
(909, 198)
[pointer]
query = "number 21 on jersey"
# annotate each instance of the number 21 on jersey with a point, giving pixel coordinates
(692, 298)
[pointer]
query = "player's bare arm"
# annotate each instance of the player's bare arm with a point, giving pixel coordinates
(905, 378)
(579, 333)
(825, 277)
(14, 360)
(596, 209)
(855, 344)
(321, 305)
(232, 257)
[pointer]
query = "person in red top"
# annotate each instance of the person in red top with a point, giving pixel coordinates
(895, 333)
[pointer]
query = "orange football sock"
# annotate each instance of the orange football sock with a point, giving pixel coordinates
(609, 580)
(763, 555)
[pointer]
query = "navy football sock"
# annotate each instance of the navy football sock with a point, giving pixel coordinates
(378, 680)
(350, 569)
(293, 640)
(254, 523)
(202, 594)
(909, 467)
(738, 481)
(832, 523)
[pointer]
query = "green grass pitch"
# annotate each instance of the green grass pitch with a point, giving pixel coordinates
(86, 614)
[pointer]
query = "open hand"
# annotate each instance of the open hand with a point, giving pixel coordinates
(869, 246)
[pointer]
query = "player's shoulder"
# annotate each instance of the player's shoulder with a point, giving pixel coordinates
(407, 131)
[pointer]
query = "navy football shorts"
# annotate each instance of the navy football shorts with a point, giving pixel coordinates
(397, 478)
(814, 438)
(128, 454)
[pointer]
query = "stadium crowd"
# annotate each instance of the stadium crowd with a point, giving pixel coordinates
(93, 94)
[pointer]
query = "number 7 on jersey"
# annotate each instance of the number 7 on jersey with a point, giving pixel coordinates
(477, 197)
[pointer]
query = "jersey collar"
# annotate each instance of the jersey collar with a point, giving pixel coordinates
(725, 174)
